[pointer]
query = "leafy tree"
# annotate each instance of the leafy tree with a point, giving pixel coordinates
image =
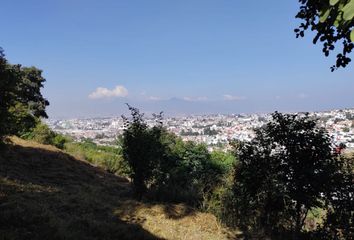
(28, 91)
(187, 172)
(284, 172)
(339, 222)
(20, 121)
(171, 169)
(142, 149)
(20, 96)
(332, 21)
(8, 80)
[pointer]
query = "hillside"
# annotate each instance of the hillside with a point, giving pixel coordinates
(48, 194)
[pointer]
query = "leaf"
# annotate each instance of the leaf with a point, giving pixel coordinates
(348, 11)
(324, 16)
(333, 2)
(352, 36)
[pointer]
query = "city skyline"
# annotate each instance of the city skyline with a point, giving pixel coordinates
(213, 130)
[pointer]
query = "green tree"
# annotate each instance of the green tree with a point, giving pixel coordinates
(21, 98)
(284, 172)
(142, 149)
(172, 170)
(8, 81)
(187, 172)
(332, 21)
(339, 222)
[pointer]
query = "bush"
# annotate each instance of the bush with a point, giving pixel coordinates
(109, 158)
(142, 150)
(60, 140)
(288, 169)
(41, 133)
(187, 174)
(339, 221)
(171, 169)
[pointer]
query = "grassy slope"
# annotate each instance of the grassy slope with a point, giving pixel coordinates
(47, 194)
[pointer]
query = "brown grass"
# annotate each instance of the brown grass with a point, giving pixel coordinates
(48, 194)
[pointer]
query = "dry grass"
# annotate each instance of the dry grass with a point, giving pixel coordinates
(48, 194)
(172, 221)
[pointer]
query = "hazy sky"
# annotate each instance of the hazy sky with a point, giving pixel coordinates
(192, 56)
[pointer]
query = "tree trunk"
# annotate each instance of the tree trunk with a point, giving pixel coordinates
(300, 219)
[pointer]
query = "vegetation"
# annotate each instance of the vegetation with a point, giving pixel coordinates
(141, 150)
(332, 21)
(107, 157)
(21, 100)
(171, 169)
(339, 223)
(48, 194)
(289, 175)
(41, 133)
(287, 183)
(288, 170)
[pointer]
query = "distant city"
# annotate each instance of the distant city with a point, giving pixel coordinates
(213, 130)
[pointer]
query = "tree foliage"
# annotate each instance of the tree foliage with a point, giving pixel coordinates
(333, 22)
(339, 223)
(141, 149)
(20, 97)
(284, 172)
(188, 172)
(41, 133)
(172, 170)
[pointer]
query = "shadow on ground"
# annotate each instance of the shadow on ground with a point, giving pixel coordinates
(47, 194)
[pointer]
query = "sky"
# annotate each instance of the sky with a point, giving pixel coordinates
(181, 57)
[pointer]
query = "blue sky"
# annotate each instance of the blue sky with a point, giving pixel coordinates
(181, 57)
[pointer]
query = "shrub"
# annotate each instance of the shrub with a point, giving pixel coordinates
(142, 150)
(171, 169)
(109, 158)
(288, 169)
(339, 221)
(41, 133)
(186, 173)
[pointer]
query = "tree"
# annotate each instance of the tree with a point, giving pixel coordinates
(332, 21)
(7, 87)
(171, 169)
(339, 222)
(21, 98)
(142, 149)
(187, 173)
(283, 173)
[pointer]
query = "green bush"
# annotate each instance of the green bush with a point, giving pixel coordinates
(187, 173)
(171, 169)
(41, 133)
(60, 140)
(107, 157)
(142, 150)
